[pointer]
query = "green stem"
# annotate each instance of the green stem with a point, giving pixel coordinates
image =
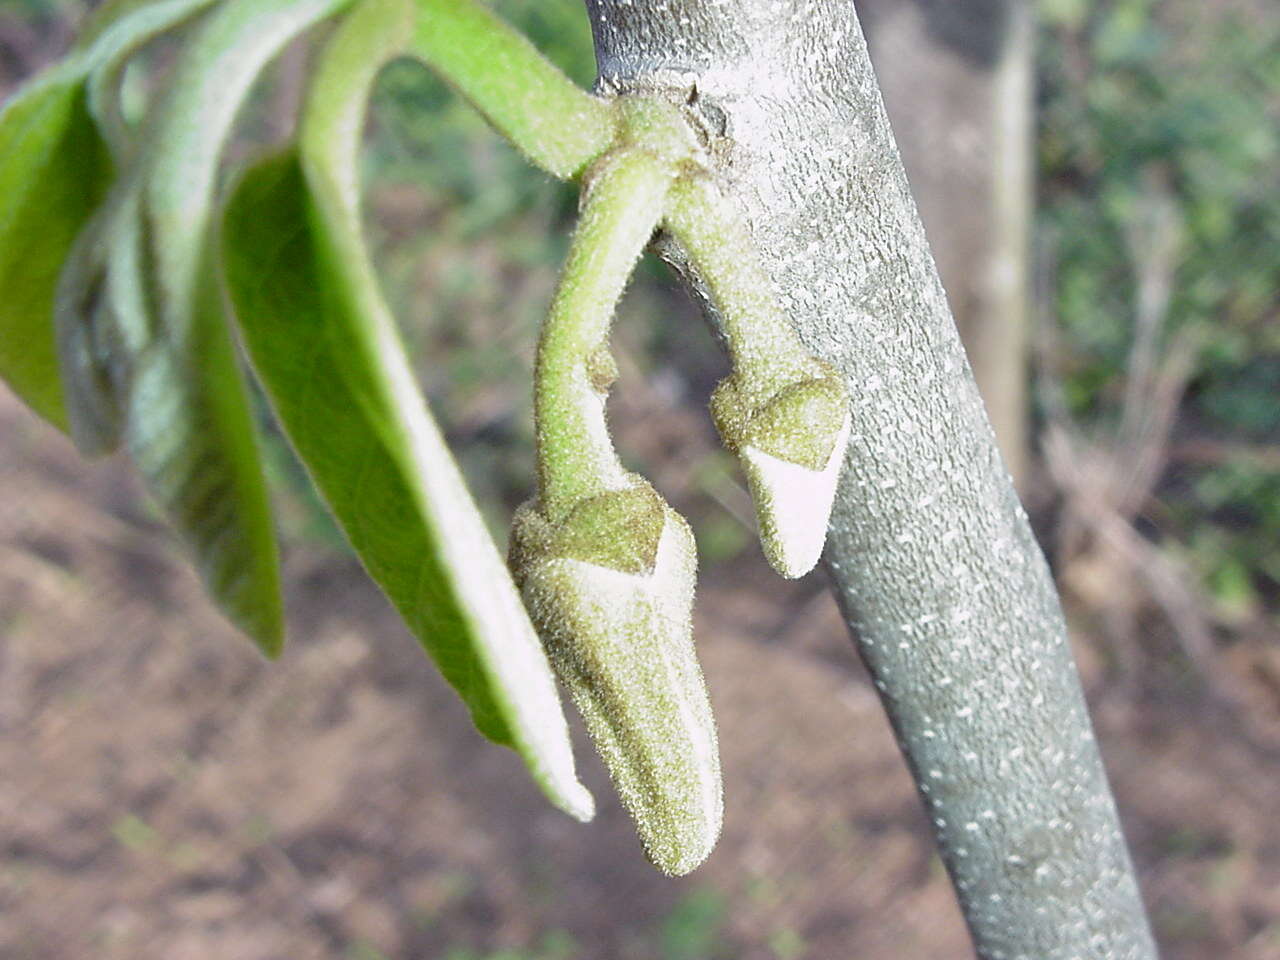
(557, 125)
(765, 351)
(332, 125)
(576, 459)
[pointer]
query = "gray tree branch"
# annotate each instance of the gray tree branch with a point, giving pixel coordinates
(930, 553)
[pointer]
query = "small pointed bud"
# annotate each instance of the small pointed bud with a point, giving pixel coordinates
(793, 504)
(610, 590)
(791, 447)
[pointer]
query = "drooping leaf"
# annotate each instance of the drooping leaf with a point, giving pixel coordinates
(54, 170)
(180, 404)
(329, 355)
(189, 427)
(325, 345)
(140, 304)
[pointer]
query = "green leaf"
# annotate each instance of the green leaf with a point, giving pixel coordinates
(189, 426)
(232, 48)
(54, 170)
(141, 321)
(326, 347)
(122, 30)
(327, 350)
(192, 435)
(182, 402)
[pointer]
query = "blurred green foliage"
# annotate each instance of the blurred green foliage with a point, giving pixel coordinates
(555, 945)
(692, 930)
(38, 9)
(1182, 97)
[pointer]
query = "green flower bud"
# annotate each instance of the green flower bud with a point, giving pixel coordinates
(610, 590)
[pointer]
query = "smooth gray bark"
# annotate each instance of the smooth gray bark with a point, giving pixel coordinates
(930, 553)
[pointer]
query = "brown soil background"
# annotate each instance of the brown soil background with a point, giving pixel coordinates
(167, 794)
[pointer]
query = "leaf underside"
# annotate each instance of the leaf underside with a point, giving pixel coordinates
(327, 351)
(146, 347)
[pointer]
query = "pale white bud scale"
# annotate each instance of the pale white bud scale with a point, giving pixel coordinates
(793, 504)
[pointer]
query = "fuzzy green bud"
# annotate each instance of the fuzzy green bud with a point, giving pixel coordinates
(610, 590)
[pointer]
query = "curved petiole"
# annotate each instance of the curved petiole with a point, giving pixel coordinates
(576, 459)
(763, 347)
(782, 411)
(556, 124)
(330, 131)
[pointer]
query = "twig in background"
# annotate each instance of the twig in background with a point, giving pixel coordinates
(1106, 484)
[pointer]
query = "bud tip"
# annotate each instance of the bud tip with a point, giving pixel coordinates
(793, 504)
